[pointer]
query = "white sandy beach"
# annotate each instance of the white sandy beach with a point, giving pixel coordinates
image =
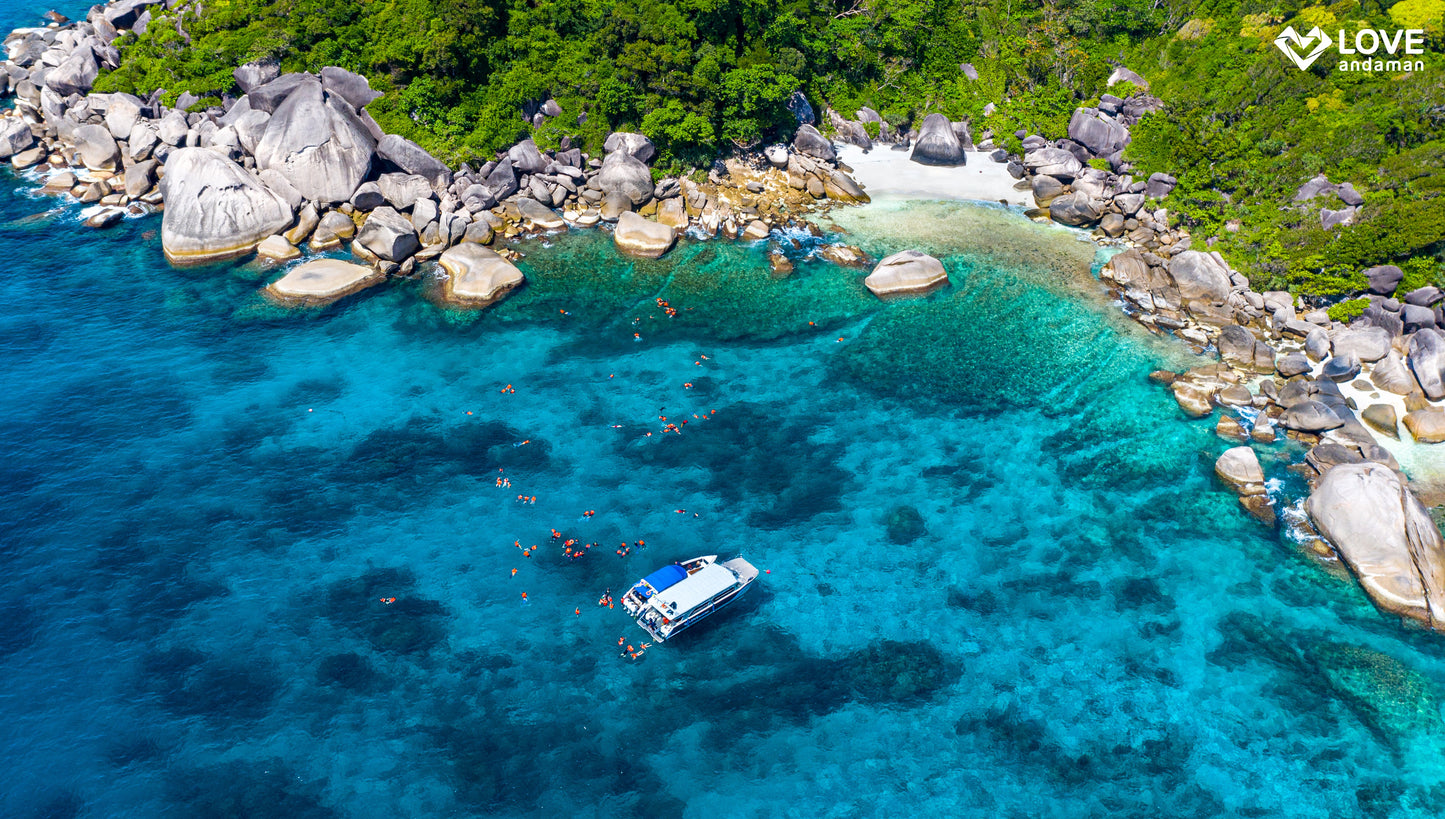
(889, 174)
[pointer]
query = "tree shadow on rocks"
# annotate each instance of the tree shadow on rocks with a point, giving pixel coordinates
(753, 453)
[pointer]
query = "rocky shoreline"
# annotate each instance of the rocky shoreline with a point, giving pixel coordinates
(1284, 369)
(296, 161)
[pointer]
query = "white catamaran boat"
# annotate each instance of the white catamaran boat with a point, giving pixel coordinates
(678, 596)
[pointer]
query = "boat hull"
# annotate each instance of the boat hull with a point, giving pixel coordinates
(671, 630)
(663, 623)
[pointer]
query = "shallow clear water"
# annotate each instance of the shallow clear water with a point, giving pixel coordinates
(1001, 579)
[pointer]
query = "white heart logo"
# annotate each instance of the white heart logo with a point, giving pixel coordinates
(1289, 39)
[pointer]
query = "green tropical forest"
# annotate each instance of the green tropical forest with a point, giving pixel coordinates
(1242, 127)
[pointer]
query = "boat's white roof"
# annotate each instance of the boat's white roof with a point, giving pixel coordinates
(696, 589)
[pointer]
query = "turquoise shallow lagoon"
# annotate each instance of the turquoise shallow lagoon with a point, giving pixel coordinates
(1001, 578)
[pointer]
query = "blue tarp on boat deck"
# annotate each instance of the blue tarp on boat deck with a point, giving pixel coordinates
(663, 578)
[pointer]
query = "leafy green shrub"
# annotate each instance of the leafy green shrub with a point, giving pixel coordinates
(1348, 311)
(1241, 130)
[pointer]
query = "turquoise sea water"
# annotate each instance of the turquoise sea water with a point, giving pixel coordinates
(1001, 579)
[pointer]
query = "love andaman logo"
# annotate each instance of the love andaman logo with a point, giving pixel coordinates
(1304, 50)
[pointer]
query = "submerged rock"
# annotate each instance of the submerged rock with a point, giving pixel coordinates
(905, 525)
(1386, 537)
(477, 275)
(324, 280)
(214, 209)
(908, 271)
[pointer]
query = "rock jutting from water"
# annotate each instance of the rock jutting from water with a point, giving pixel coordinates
(478, 276)
(640, 237)
(216, 209)
(297, 156)
(908, 271)
(323, 280)
(1385, 535)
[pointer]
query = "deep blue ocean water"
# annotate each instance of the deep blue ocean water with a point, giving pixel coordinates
(1001, 578)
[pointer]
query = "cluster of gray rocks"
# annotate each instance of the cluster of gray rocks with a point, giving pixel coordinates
(295, 161)
(1284, 369)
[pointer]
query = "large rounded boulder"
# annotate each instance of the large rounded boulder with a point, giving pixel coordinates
(1369, 344)
(1385, 535)
(1239, 469)
(15, 136)
(908, 271)
(638, 236)
(1199, 276)
(624, 174)
(937, 143)
(1102, 135)
(639, 146)
(96, 148)
(808, 141)
(388, 235)
(1427, 362)
(320, 281)
(477, 275)
(1076, 209)
(1384, 279)
(318, 142)
(1310, 416)
(214, 209)
(411, 158)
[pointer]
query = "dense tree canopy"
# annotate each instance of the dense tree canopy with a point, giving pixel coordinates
(1243, 127)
